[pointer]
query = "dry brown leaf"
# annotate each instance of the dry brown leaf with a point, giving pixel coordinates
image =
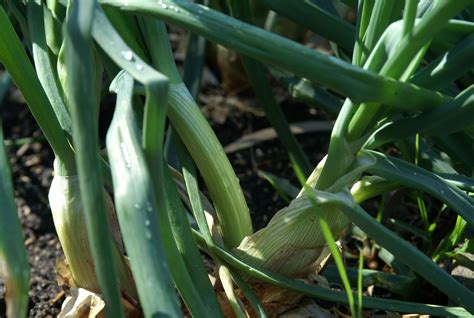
(82, 304)
(274, 299)
(308, 310)
(231, 69)
(265, 134)
(63, 273)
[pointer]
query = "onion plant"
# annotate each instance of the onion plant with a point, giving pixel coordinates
(401, 80)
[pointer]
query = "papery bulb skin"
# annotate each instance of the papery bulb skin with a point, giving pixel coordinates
(69, 220)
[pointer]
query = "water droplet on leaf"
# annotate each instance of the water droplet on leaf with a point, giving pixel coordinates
(128, 55)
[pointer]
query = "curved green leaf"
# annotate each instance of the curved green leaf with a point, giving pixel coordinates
(360, 85)
(410, 175)
(447, 67)
(137, 210)
(83, 105)
(317, 19)
(185, 276)
(449, 117)
(329, 294)
(44, 70)
(16, 61)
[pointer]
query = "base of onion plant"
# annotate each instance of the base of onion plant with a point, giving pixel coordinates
(292, 244)
(69, 221)
(296, 235)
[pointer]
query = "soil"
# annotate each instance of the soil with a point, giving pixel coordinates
(31, 168)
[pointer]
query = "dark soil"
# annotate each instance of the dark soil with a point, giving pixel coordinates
(31, 168)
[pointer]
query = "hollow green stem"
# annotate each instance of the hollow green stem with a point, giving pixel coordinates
(202, 144)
